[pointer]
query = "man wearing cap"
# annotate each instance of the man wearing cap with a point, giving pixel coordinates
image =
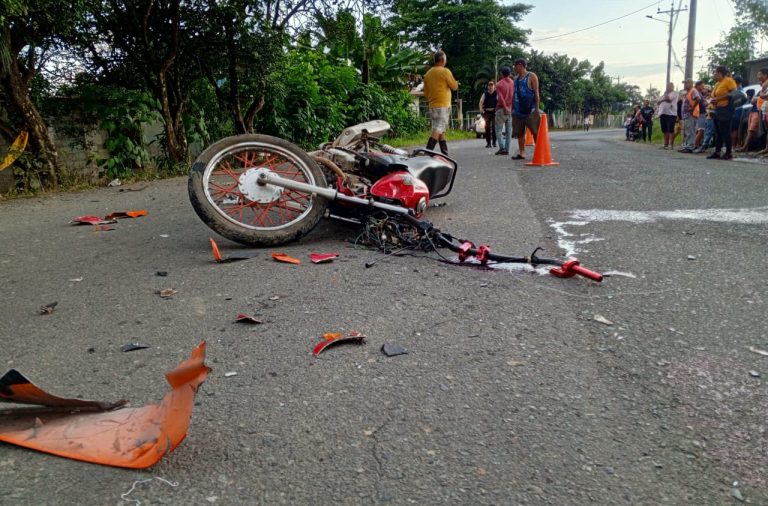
(691, 110)
(438, 83)
(525, 112)
(504, 94)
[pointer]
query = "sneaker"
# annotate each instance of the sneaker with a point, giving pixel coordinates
(727, 156)
(698, 150)
(686, 150)
(501, 152)
(714, 156)
(494, 144)
(487, 145)
(664, 147)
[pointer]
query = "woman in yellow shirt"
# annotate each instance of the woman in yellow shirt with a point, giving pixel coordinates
(723, 113)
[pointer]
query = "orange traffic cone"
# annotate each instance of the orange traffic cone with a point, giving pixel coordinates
(528, 137)
(542, 155)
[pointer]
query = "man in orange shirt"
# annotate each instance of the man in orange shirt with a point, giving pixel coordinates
(438, 83)
(723, 113)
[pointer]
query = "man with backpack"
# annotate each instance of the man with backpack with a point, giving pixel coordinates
(525, 112)
(691, 110)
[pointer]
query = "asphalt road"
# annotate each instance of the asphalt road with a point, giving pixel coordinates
(511, 393)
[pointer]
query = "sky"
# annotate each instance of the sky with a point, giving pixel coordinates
(633, 48)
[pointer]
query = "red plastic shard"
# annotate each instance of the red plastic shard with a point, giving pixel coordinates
(282, 257)
(90, 220)
(330, 339)
(244, 318)
(323, 258)
(97, 432)
(125, 214)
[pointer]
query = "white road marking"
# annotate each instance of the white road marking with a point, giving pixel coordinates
(753, 216)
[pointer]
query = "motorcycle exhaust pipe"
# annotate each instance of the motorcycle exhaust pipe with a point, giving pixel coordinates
(328, 193)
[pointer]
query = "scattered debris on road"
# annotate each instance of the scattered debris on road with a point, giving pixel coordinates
(323, 258)
(332, 338)
(244, 318)
(133, 347)
(90, 220)
(602, 319)
(691, 257)
(393, 350)
(222, 260)
(48, 308)
(282, 257)
(102, 432)
(162, 274)
(754, 374)
(124, 495)
(230, 374)
(126, 214)
(167, 293)
(758, 351)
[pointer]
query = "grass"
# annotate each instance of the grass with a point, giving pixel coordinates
(420, 139)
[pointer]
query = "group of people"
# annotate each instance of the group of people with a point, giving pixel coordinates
(509, 106)
(707, 116)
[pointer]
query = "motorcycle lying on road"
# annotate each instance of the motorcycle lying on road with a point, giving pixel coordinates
(260, 190)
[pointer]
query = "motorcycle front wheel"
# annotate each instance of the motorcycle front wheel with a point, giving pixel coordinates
(225, 194)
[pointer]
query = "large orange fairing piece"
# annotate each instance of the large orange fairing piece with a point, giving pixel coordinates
(96, 432)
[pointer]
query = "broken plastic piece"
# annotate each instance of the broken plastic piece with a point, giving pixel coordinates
(322, 258)
(331, 339)
(97, 432)
(393, 350)
(48, 308)
(282, 257)
(125, 214)
(758, 351)
(167, 293)
(244, 318)
(133, 347)
(90, 220)
(220, 259)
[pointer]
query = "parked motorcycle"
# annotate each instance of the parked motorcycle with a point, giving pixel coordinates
(264, 191)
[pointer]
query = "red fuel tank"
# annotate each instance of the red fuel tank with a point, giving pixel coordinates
(401, 186)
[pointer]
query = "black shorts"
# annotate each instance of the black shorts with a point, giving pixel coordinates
(668, 123)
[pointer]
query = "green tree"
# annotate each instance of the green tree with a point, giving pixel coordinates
(754, 15)
(734, 48)
(30, 29)
(557, 76)
(471, 32)
(232, 40)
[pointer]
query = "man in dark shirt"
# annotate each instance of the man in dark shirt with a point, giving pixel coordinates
(488, 108)
(647, 113)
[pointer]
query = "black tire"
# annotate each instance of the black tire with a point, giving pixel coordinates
(219, 201)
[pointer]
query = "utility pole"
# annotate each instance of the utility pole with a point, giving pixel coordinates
(672, 12)
(691, 38)
(618, 80)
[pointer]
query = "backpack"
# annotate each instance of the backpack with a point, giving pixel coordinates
(737, 98)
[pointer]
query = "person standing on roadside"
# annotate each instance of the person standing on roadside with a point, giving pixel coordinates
(488, 108)
(504, 97)
(667, 104)
(723, 112)
(753, 125)
(691, 110)
(647, 113)
(438, 83)
(525, 113)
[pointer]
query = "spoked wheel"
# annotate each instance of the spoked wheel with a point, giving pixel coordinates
(226, 194)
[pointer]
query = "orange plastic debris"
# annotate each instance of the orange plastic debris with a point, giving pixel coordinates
(282, 257)
(216, 252)
(126, 214)
(96, 432)
(330, 339)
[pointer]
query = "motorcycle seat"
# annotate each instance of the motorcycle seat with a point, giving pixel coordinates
(435, 173)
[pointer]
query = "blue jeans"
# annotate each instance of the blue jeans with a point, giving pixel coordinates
(505, 121)
(709, 134)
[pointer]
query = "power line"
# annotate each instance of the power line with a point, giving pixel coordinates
(595, 26)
